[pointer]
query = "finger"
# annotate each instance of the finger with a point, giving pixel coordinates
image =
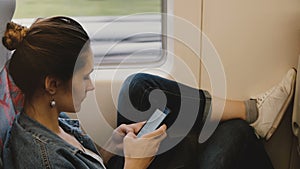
(162, 137)
(158, 132)
(124, 129)
(130, 135)
(136, 127)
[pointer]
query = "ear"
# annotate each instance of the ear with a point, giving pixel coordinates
(51, 84)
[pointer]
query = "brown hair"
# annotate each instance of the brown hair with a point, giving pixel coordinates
(49, 47)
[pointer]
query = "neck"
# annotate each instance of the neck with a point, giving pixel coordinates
(40, 111)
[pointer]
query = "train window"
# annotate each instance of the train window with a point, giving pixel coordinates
(123, 32)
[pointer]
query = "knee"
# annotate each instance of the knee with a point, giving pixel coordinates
(133, 79)
(136, 84)
(134, 88)
(133, 97)
(136, 80)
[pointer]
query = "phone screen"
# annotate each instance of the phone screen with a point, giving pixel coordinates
(154, 121)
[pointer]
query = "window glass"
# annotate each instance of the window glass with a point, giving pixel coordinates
(43, 8)
(122, 31)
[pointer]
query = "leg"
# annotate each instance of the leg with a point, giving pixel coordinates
(233, 145)
(233, 109)
(137, 91)
(265, 111)
(141, 94)
(137, 88)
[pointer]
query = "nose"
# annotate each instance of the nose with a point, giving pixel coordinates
(90, 86)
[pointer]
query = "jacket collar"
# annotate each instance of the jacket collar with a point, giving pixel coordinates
(37, 130)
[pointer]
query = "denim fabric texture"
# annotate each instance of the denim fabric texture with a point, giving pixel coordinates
(31, 145)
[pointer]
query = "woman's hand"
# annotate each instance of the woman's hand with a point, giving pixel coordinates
(139, 152)
(115, 144)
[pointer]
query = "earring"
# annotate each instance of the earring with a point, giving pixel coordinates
(52, 103)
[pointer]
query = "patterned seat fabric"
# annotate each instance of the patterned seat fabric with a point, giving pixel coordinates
(11, 103)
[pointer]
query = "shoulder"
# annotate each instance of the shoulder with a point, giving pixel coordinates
(21, 151)
(31, 145)
(28, 151)
(37, 157)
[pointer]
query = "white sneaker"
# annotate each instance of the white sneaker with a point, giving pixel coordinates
(273, 104)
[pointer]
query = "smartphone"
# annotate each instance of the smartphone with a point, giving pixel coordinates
(154, 121)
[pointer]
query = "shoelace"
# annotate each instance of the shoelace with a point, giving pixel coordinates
(261, 99)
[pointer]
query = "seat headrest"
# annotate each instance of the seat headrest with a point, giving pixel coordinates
(7, 110)
(7, 10)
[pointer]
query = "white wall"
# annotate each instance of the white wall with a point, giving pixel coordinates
(257, 40)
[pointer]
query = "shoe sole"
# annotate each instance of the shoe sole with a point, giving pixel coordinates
(282, 110)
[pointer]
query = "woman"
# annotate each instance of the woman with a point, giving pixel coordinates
(42, 66)
(51, 64)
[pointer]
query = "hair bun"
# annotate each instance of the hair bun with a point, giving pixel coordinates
(14, 35)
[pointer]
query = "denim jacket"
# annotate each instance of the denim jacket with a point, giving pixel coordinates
(33, 146)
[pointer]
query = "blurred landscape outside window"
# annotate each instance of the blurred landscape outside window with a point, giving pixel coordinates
(122, 31)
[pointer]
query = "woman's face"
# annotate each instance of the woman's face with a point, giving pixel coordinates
(81, 82)
(79, 85)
